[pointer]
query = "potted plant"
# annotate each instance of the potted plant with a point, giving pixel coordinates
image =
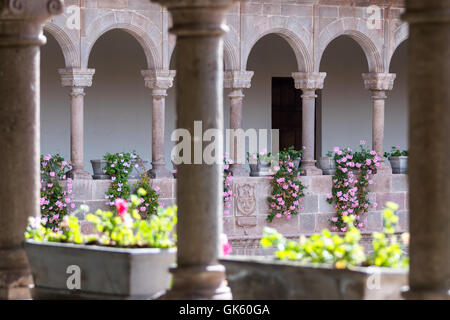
(327, 164)
(398, 159)
(124, 257)
(136, 165)
(324, 266)
(294, 155)
(260, 163)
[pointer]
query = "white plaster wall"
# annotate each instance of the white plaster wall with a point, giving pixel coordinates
(118, 106)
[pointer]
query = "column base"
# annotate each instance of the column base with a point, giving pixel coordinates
(199, 283)
(78, 174)
(15, 275)
(239, 171)
(309, 168)
(425, 294)
(159, 171)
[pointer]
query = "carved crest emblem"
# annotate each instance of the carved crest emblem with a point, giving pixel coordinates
(245, 199)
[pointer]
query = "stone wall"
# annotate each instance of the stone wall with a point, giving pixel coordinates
(248, 213)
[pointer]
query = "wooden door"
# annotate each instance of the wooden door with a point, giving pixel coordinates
(287, 112)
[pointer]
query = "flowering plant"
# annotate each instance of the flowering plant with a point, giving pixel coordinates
(292, 153)
(118, 166)
(343, 251)
(123, 228)
(262, 156)
(54, 200)
(227, 189)
(350, 191)
(396, 152)
(287, 191)
(149, 198)
(387, 248)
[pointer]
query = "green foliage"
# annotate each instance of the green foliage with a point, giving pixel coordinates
(262, 156)
(287, 190)
(322, 247)
(148, 196)
(396, 152)
(387, 248)
(329, 154)
(350, 192)
(342, 251)
(291, 154)
(119, 166)
(55, 199)
(125, 229)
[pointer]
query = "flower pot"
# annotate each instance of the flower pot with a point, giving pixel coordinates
(260, 169)
(399, 164)
(105, 272)
(99, 165)
(264, 278)
(327, 165)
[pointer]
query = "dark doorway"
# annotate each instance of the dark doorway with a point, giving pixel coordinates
(287, 112)
(287, 115)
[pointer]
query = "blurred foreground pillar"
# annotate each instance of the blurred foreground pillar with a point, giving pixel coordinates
(429, 140)
(199, 26)
(20, 37)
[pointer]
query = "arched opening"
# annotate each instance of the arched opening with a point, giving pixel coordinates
(346, 109)
(55, 101)
(118, 112)
(272, 102)
(396, 119)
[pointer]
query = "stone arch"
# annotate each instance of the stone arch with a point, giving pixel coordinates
(304, 61)
(401, 34)
(69, 50)
(358, 31)
(230, 56)
(138, 26)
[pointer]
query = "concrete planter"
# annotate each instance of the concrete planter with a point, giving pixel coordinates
(263, 278)
(106, 273)
(327, 165)
(99, 165)
(260, 169)
(399, 164)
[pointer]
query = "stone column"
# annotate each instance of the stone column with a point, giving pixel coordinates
(159, 81)
(20, 37)
(309, 83)
(77, 79)
(429, 151)
(199, 27)
(237, 81)
(378, 84)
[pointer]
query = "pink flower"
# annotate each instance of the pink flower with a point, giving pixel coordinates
(157, 189)
(226, 246)
(334, 219)
(52, 174)
(121, 206)
(368, 162)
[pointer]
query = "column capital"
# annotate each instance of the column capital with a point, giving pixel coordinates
(198, 17)
(379, 81)
(76, 77)
(21, 20)
(237, 79)
(158, 80)
(309, 80)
